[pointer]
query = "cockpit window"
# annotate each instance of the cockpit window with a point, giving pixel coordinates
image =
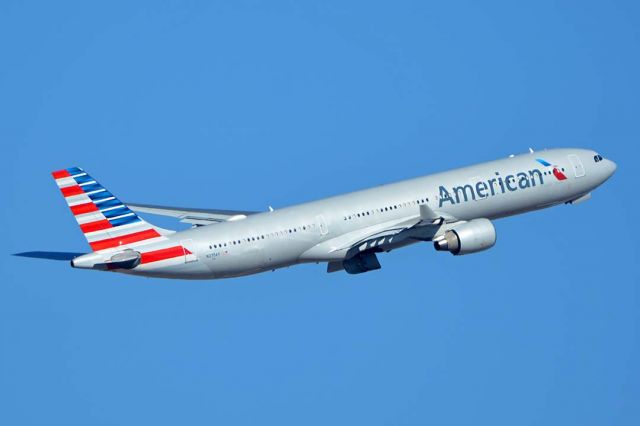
(597, 158)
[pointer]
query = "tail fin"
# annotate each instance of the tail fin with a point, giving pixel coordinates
(105, 221)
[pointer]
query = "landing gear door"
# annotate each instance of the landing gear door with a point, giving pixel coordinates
(576, 164)
(189, 251)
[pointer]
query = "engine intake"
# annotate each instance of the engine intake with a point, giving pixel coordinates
(469, 237)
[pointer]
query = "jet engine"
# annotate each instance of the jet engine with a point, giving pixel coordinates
(363, 262)
(469, 237)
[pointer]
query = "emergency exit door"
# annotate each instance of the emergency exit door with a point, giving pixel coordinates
(576, 164)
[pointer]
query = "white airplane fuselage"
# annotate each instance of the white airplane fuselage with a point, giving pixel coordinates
(317, 231)
(379, 219)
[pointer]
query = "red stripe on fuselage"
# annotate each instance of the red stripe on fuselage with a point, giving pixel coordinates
(163, 254)
(83, 208)
(95, 226)
(60, 174)
(124, 239)
(68, 191)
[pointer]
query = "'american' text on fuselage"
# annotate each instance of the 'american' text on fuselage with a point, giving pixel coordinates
(490, 187)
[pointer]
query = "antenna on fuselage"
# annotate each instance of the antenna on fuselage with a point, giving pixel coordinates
(531, 150)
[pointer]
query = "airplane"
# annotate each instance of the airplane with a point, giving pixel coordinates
(453, 210)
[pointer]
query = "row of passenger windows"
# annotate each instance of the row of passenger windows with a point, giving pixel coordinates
(386, 209)
(347, 217)
(275, 234)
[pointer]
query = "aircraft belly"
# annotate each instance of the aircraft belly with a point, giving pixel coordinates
(257, 259)
(187, 271)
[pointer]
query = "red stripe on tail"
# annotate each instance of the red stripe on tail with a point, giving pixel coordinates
(95, 226)
(60, 174)
(71, 190)
(83, 208)
(124, 239)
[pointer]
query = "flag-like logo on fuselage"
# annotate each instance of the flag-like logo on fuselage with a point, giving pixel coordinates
(556, 170)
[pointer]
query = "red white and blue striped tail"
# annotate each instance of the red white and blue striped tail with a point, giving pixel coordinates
(105, 221)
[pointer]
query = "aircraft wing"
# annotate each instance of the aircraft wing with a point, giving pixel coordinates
(423, 226)
(190, 215)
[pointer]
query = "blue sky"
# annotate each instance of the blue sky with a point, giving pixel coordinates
(243, 105)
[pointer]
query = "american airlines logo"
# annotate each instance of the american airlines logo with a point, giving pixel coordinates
(498, 185)
(556, 170)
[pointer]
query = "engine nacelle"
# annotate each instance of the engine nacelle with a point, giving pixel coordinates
(363, 262)
(469, 237)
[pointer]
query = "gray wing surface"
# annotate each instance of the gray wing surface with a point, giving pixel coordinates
(424, 226)
(192, 215)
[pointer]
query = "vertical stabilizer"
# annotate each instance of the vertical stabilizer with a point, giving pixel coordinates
(106, 222)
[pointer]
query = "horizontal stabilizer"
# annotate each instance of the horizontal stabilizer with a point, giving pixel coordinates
(51, 255)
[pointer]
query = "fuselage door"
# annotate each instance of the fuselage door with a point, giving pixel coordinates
(576, 164)
(322, 225)
(189, 251)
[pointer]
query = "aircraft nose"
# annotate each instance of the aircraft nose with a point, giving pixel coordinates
(611, 168)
